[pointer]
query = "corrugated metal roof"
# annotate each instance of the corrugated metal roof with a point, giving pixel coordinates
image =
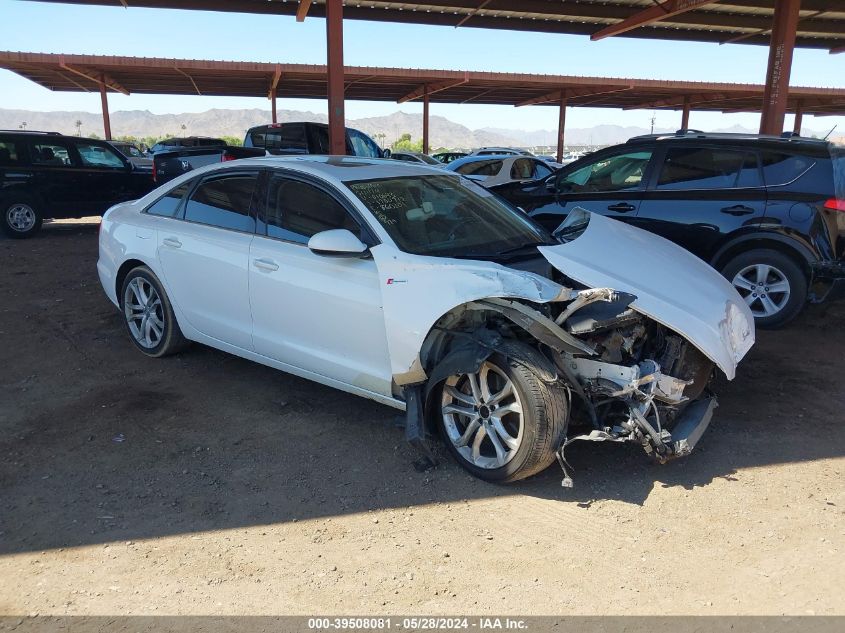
(145, 75)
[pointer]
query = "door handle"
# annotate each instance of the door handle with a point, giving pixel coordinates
(172, 241)
(265, 264)
(621, 207)
(738, 209)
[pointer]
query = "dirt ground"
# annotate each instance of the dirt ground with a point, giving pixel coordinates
(206, 484)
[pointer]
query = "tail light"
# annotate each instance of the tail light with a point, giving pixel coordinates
(835, 204)
(227, 157)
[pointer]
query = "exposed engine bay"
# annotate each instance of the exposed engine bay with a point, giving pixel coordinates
(628, 378)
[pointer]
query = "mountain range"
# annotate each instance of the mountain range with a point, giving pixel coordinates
(221, 122)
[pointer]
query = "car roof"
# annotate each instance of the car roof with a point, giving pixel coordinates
(730, 137)
(338, 169)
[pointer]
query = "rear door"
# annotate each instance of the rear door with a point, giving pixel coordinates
(611, 183)
(204, 253)
(318, 313)
(107, 174)
(700, 194)
(58, 178)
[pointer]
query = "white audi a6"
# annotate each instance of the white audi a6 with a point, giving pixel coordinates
(421, 290)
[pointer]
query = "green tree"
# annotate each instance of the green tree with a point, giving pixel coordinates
(405, 144)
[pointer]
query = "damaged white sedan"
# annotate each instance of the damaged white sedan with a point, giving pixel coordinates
(423, 291)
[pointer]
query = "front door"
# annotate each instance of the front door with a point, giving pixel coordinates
(205, 256)
(610, 184)
(108, 176)
(315, 312)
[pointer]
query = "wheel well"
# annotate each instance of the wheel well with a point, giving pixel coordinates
(775, 245)
(124, 269)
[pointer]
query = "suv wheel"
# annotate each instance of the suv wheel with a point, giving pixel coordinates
(21, 217)
(772, 284)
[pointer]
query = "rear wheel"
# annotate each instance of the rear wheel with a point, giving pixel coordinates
(772, 284)
(148, 314)
(21, 217)
(502, 423)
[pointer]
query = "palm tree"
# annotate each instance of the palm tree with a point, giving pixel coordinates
(23, 125)
(78, 127)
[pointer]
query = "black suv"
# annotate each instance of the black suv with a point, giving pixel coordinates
(47, 175)
(766, 211)
(309, 138)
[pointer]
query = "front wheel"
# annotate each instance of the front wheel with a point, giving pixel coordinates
(148, 314)
(772, 284)
(502, 423)
(21, 217)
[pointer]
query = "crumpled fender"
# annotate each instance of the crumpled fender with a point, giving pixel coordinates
(418, 290)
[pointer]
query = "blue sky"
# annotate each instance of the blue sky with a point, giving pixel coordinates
(50, 28)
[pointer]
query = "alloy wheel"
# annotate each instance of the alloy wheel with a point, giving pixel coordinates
(483, 417)
(765, 289)
(21, 217)
(144, 312)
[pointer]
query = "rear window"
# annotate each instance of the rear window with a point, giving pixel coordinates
(168, 204)
(480, 168)
(288, 139)
(9, 153)
(705, 168)
(780, 168)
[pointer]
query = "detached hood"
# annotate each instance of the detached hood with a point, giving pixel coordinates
(672, 286)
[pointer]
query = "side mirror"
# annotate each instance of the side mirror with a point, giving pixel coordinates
(385, 153)
(337, 243)
(550, 184)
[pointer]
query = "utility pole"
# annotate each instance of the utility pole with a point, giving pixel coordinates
(653, 118)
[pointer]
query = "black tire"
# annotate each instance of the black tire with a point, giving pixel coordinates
(545, 416)
(785, 267)
(21, 216)
(171, 339)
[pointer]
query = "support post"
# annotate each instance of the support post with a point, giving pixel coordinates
(799, 115)
(273, 104)
(334, 43)
(561, 127)
(685, 114)
(776, 91)
(425, 147)
(104, 102)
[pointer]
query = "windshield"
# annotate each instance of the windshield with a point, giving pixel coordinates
(428, 159)
(446, 216)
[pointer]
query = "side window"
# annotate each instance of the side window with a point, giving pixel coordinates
(480, 168)
(703, 168)
(522, 169)
(256, 139)
(297, 210)
(52, 153)
(541, 170)
(99, 156)
(168, 204)
(223, 201)
(363, 146)
(621, 172)
(288, 138)
(780, 168)
(10, 153)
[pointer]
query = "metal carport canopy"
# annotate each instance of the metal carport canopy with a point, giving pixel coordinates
(146, 75)
(821, 23)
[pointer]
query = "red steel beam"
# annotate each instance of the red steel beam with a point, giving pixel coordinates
(776, 90)
(104, 102)
(648, 16)
(430, 89)
(302, 10)
(425, 148)
(334, 58)
(100, 78)
(799, 115)
(685, 114)
(838, 49)
(561, 128)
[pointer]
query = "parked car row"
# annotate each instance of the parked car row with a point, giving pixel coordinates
(767, 212)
